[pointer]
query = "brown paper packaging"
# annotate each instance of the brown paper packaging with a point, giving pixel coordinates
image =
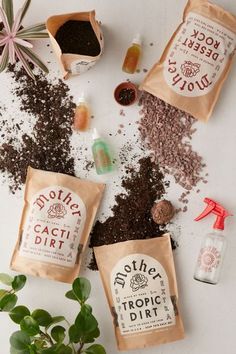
(196, 61)
(140, 284)
(56, 221)
(74, 64)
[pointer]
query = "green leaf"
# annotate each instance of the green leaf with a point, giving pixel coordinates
(70, 295)
(75, 334)
(4, 58)
(40, 344)
(32, 35)
(95, 349)
(24, 62)
(55, 349)
(25, 9)
(86, 309)
(19, 282)
(8, 302)
(64, 349)
(29, 326)
(20, 340)
(3, 292)
(42, 317)
(24, 351)
(6, 279)
(81, 288)
(90, 337)
(18, 313)
(7, 6)
(58, 334)
(34, 28)
(34, 58)
(55, 320)
(86, 322)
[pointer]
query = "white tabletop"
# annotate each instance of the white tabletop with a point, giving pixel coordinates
(209, 312)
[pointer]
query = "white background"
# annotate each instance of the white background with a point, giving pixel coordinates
(209, 312)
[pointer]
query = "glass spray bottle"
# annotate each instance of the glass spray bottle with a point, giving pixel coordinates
(210, 258)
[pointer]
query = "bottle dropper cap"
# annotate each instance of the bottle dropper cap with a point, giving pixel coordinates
(81, 98)
(95, 134)
(137, 39)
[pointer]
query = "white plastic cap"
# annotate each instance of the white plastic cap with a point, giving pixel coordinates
(95, 134)
(137, 39)
(81, 98)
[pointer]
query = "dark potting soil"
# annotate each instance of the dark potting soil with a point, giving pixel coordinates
(131, 217)
(78, 37)
(47, 146)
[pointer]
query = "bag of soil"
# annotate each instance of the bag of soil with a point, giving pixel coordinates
(196, 61)
(55, 225)
(140, 283)
(77, 41)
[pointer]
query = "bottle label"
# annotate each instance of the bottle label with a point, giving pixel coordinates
(198, 55)
(209, 258)
(141, 295)
(54, 226)
(102, 159)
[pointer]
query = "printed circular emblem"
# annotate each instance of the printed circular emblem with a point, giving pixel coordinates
(138, 281)
(57, 211)
(197, 56)
(209, 258)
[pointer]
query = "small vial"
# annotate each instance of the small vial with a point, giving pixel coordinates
(101, 155)
(132, 56)
(82, 115)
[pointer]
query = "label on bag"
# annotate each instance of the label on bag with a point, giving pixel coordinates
(53, 227)
(141, 295)
(198, 56)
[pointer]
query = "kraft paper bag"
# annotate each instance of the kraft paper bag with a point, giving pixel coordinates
(196, 60)
(74, 64)
(140, 284)
(57, 218)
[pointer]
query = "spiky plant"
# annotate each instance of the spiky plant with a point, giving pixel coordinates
(14, 38)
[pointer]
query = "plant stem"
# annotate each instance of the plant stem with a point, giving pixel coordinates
(80, 348)
(46, 337)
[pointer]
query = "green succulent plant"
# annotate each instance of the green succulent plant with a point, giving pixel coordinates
(16, 39)
(40, 332)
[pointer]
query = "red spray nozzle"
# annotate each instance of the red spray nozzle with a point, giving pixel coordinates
(217, 209)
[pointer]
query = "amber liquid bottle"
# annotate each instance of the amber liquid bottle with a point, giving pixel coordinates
(132, 56)
(82, 115)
